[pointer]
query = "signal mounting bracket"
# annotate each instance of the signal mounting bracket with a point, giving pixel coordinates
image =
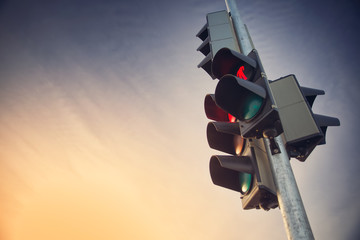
(271, 134)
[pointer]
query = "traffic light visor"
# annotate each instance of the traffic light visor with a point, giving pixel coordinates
(225, 137)
(227, 61)
(232, 172)
(214, 112)
(241, 98)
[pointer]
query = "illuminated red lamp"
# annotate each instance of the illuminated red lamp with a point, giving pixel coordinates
(227, 61)
(240, 73)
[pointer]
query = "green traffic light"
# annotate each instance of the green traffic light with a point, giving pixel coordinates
(251, 106)
(245, 182)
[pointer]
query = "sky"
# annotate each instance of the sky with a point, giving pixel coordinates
(103, 131)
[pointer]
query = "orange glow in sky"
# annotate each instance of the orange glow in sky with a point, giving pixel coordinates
(85, 166)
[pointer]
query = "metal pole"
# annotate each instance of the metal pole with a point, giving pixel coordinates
(292, 209)
(296, 223)
(241, 32)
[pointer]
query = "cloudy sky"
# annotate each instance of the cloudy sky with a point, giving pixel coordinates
(102, 126)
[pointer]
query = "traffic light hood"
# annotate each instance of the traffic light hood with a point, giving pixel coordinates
(241, 98)
(213, 111)
(227, 61)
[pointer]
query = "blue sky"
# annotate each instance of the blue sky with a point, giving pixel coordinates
(103, 127)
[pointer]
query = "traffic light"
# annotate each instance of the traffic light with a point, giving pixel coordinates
(217, 33)
(244, 92)
(303, 130)
(246, 168)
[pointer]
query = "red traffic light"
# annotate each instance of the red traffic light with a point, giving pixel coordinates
(244, 92)
(227, 61)
(214, 112)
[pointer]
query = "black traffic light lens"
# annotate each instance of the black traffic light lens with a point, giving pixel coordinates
(245, 180)
(251, 106)
(239, 144)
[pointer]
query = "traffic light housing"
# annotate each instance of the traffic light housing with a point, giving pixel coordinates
(246, 108)
(217, 33)
(244, 92)
(246, 168)
(303, 130)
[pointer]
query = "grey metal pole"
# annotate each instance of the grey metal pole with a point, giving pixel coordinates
(292, 209)
(296, 223)
(241, 32)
